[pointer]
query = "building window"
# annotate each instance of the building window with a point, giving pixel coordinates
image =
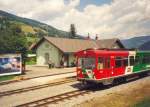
(46, 58)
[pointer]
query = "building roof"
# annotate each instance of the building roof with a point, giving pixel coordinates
(106, 43)
(71, 45)
(74, 45)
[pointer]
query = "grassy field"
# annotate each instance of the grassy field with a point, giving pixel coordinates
(26, 28)
(144, 103)
(32, 39)
(9, 77)
(134, 95)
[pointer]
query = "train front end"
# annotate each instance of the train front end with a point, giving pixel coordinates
(86, 65)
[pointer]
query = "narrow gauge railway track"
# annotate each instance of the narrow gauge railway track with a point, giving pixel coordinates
(24, 79)
(55, 99)
(7, 93)
(61, 97)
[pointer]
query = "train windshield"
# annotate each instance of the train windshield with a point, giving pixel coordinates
(86, 63)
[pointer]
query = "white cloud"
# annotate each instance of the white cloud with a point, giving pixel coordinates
(121, 18)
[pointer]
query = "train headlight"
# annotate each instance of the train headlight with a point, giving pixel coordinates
(78, 72)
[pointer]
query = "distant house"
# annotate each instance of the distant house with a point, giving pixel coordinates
(110, 44)
(59, 50)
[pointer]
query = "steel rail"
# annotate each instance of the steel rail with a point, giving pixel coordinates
(55, 99)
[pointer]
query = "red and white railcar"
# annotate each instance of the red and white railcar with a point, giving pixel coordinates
(103, 65)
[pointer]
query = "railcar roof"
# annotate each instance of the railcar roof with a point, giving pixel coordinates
(143, 52)
(103, 52)
(108, 52)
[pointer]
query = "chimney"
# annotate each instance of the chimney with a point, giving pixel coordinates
(96, 37)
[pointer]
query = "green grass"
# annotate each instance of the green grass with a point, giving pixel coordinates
(27, 28)
(32, 39)
(144, 103)
(30, 63)
(8, 77)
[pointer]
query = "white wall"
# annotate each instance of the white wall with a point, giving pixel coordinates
(54, 53)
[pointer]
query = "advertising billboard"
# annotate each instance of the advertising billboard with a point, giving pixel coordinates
(10, 64)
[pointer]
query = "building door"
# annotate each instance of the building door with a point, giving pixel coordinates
(66, 60)
(46, 58)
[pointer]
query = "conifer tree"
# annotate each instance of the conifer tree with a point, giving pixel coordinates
(72, 31)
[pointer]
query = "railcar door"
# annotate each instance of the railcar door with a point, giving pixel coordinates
(103, 67)
(120, 65)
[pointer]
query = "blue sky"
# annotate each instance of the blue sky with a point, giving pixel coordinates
(84, 3)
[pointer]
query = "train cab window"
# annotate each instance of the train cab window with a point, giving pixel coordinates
(118, 62)
(86, 63)
(131, 60)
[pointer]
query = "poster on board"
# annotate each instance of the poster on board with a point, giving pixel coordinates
(10, 64)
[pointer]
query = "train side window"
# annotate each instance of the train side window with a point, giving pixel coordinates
(137, 60)
(107, 63)
(118, 62)
(145, 60)
(148, 59)
(100, 63)
(131, 60)
(125, 61)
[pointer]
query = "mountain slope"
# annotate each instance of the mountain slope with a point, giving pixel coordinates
(35, 26)
(135, 42)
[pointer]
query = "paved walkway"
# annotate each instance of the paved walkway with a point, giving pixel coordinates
(44, 73)
(39, 71)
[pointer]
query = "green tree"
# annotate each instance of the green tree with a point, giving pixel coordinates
(12, 39)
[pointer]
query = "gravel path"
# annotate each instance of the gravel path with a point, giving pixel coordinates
(36, 71)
